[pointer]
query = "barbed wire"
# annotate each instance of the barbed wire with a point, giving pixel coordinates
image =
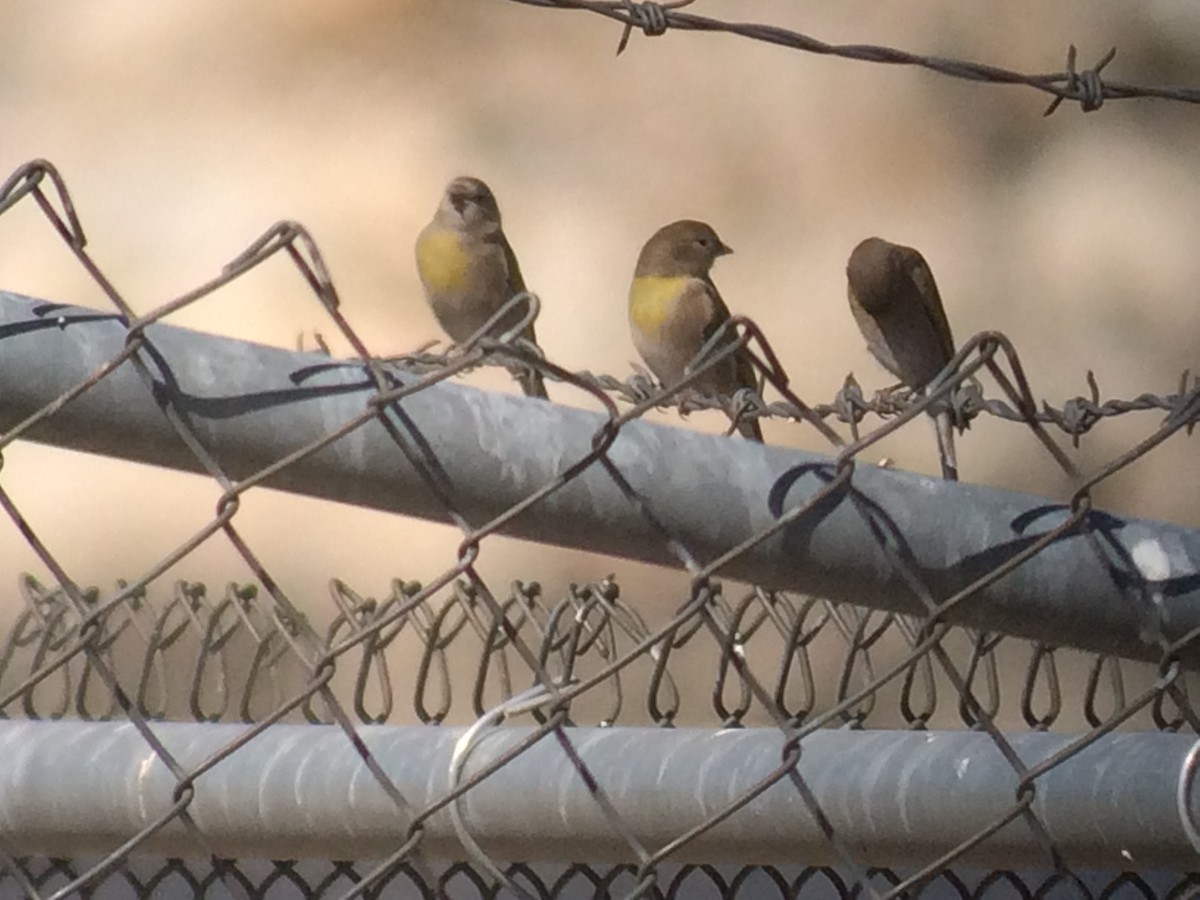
(1086, 87)
(1074, 417)
(584, 649)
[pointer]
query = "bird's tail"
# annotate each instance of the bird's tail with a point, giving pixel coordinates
(530, 379)
(532, 383)
(746, 378)
(944, 426)
(750, 430)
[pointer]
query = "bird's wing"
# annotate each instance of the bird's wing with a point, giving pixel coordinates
(531, 380)
(516, 283)
(931, 301)
(744, 371)
(709, 299)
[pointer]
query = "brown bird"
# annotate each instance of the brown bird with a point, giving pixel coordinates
(674, 309)
(469, 270)
(896, 304)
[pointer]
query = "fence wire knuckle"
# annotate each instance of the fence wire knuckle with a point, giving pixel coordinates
(531, 681)
(1086, 87)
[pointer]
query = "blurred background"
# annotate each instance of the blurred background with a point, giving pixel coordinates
(185, 129)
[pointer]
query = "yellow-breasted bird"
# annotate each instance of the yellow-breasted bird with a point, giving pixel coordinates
(469, 271)
(674, 308)
(896, 303)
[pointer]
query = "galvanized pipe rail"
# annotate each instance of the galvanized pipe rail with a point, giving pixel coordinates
(1115, 585)
(301, 791)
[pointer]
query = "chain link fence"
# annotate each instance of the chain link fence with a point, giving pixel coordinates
(870, 683)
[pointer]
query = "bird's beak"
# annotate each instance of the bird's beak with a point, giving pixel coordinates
(723, 249)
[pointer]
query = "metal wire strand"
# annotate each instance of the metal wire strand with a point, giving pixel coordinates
(770, 657)
(1086, 87)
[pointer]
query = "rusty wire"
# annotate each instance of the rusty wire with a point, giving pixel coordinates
(1086, 87)
(583, 648)
(1074, 417)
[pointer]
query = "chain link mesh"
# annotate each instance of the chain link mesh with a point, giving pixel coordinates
(455, 648)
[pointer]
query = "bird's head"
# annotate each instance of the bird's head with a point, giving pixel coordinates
(471, 202)
(686, 247)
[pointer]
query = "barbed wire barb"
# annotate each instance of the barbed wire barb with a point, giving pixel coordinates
(840, 629)
(1086, 87)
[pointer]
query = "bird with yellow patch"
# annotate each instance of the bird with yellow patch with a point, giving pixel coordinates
(674, 309)
(896, 303)
(469, 270)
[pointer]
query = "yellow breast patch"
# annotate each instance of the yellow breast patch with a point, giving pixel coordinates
(653, 300)
(441, 260)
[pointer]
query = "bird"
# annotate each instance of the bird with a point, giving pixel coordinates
(896, 304)
(674, 309)
(469, 271)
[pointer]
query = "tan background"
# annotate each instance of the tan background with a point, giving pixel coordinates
(184, 129)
